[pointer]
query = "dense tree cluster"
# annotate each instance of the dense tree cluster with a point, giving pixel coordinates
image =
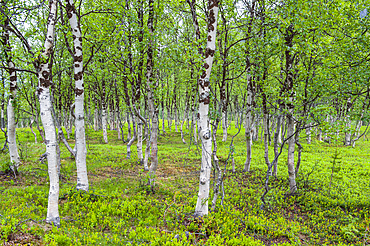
(277, 68)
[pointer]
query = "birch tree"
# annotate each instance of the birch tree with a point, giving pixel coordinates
(13, 150)
(82, 179)
(43, 91)
(204, 100)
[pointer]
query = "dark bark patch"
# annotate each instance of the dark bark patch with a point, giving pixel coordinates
(209, 52)
(39, 90)
(213, 3)
(13, 78)
(206, 66)
(78, 58)
(77, 65)
(212, 17)
(80, 39)
(198, 116)
(78, 76)
(203, 75)
(206, 83)
(45, 74)
(13, 88)
(79, 91)
(209, 38)
(44, 83)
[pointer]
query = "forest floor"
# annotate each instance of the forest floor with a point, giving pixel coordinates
(332, 206)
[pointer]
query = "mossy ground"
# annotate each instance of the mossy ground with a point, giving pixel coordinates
(120, 209)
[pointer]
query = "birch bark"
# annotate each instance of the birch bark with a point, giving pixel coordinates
(104, 113)
(204, 99)
(44, 74)
(13, 150)
(153, 110)
(289, 82)
(248, 126)
(82, 179)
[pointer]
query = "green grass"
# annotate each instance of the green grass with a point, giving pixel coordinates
(119, 209)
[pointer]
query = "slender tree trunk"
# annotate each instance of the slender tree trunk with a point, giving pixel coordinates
(44, 74)
(248, 128)
(347, 140)
(128, 126)
(133, 138)
(139, 143)
(265, 138)
(153, 110)
(291, 147)
(31, 123)
(204, 99)
(13, 150)
(276, 141)
(163, 121)
(218, 184)
(104, 113)
(184, 119)
(96, 116)
(118, 124)
(300, 148)
(81, 151)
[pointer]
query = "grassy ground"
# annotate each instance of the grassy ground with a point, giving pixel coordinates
(120, 209)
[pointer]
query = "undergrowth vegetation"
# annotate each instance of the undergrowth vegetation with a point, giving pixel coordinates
(332, 206)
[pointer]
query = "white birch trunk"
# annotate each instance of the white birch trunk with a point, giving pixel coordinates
(204, 99)
(153, 110)
(118, 125)
(276, 141)
(357, 131)
(291, 147)
(31, 123)
(133, 138)
(104, 123)
(248, 128)
(176, 120)
(128, 127)
(182, 125)
(47, 119)
(111, 119)
(224, 127)
(139, 143)
(81, 151)
(347, 139)
(13, 150)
